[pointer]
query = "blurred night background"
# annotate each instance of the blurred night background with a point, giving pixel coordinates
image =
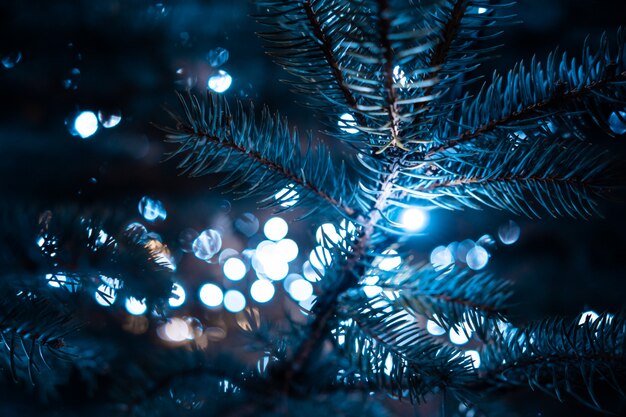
(127, 58)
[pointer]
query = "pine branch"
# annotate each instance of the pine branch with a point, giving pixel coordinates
(75, 247)
(306, 28)
(265, 157)
(32, 332)
(561, 357)
(359, 72)
(518, 175)
(388, 350)
(452, 297)
(560, 92)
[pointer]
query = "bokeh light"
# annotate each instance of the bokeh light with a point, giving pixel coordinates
(262, 290)
(300, 289)
(109, 119)
(151, 209)
(105, 295)
(234, 301)
(85, 124)
(474, 355)
(178, 296)
(275, 228)
(234, 269)
(477, 258)
(135, 307)
(288, 196)
(220, 82)
(347, 123)
(211, 295)
(434, 329)
(207, 244)
(413, 219)
(389, 260)
(288, 249)
(509, 232)
(441, 258)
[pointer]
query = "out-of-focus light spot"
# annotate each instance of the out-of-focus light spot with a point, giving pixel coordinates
(288, 196)
(289, 279)
(226, 254)
(458, 335)
(11, 59)
(217, 56)
(262, 290)
(477, 258)
(389, 260)
(234, 269)
(175, 330)
(370, 280)
(326, 233)
(590, 316)
(109, 119)
(207, 244)
(388, 364)
(220, 82)
(136, 228)
(441, 258)
(275, 228)
(195, 327)
(347, 228)
(247, 224)
(398, 76)
(309, 272)
(151, 209)
(276, 271)
(268, 261)
(234, 301)
(307, 304)
(617, 125)
(372, 291)
(413, 219)
(288, 249)
(135, 307)
(347, 123)
(300, 289)
(509, 232)
(178, 296)
(105, 295)
(435, 329)
(320, 258)
(211, 295)
(85, 124)
(462, 248)
(110, 282)
(481, 10)
(56, 280)
(474, 356)
(486, 241)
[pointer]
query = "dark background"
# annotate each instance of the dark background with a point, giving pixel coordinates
(128, 53)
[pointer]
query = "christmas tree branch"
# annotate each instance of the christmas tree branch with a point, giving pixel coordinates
(266, 157)
(388, 349)
(325, 43)
(384, 28)
(561, 357)
(560, 93)
(536, 172)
